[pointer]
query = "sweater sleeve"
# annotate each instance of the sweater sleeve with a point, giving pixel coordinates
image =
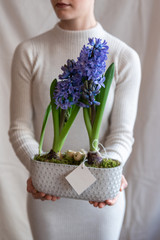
(21, 132)
(128, 75)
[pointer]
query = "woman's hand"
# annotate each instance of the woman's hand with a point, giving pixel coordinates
(111, 202)
(39, 195)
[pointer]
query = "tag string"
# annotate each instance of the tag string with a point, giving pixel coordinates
(98, 149)
(84, 160)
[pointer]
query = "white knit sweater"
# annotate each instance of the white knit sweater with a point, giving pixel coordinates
(38, 61)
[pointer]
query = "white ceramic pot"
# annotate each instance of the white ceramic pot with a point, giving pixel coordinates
(50, 178)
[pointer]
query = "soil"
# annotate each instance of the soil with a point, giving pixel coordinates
(94, 160)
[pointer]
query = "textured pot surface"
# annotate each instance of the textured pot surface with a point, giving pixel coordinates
(50, 178)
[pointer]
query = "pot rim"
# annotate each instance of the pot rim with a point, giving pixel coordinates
(69, 165)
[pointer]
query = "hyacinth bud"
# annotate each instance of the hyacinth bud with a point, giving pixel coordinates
(83, 151)
(60, 155)
(67, 115)
(70, 154)
(79, 156)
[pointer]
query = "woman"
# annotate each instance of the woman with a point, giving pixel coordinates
(36, 63)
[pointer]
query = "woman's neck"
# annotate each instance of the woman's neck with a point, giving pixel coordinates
(78, 24)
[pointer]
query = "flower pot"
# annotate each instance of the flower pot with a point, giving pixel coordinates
(50, 178)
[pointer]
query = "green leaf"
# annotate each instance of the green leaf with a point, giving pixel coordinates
(87, 120)
(55, 114)
(48, 110)
(52, 89)
(67, 126)
(102, 98)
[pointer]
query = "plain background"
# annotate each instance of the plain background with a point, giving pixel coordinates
(137, 23)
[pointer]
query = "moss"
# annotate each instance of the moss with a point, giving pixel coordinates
(105, 163)
(65, 159)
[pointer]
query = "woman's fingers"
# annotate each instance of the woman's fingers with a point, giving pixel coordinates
(124, 183)
(39, 195)
(111, 202)
(95, 204)
(54, 198)
(29, 186)
(48, 197)
(101, 204)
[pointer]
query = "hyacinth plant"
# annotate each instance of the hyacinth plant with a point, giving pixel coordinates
(83, 83)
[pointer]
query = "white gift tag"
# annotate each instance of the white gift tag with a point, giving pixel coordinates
(80, 178)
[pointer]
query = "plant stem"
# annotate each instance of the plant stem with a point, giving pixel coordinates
(87, 121)
(93, 114)
(58, 144)
(94, 130)
(62, 119)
